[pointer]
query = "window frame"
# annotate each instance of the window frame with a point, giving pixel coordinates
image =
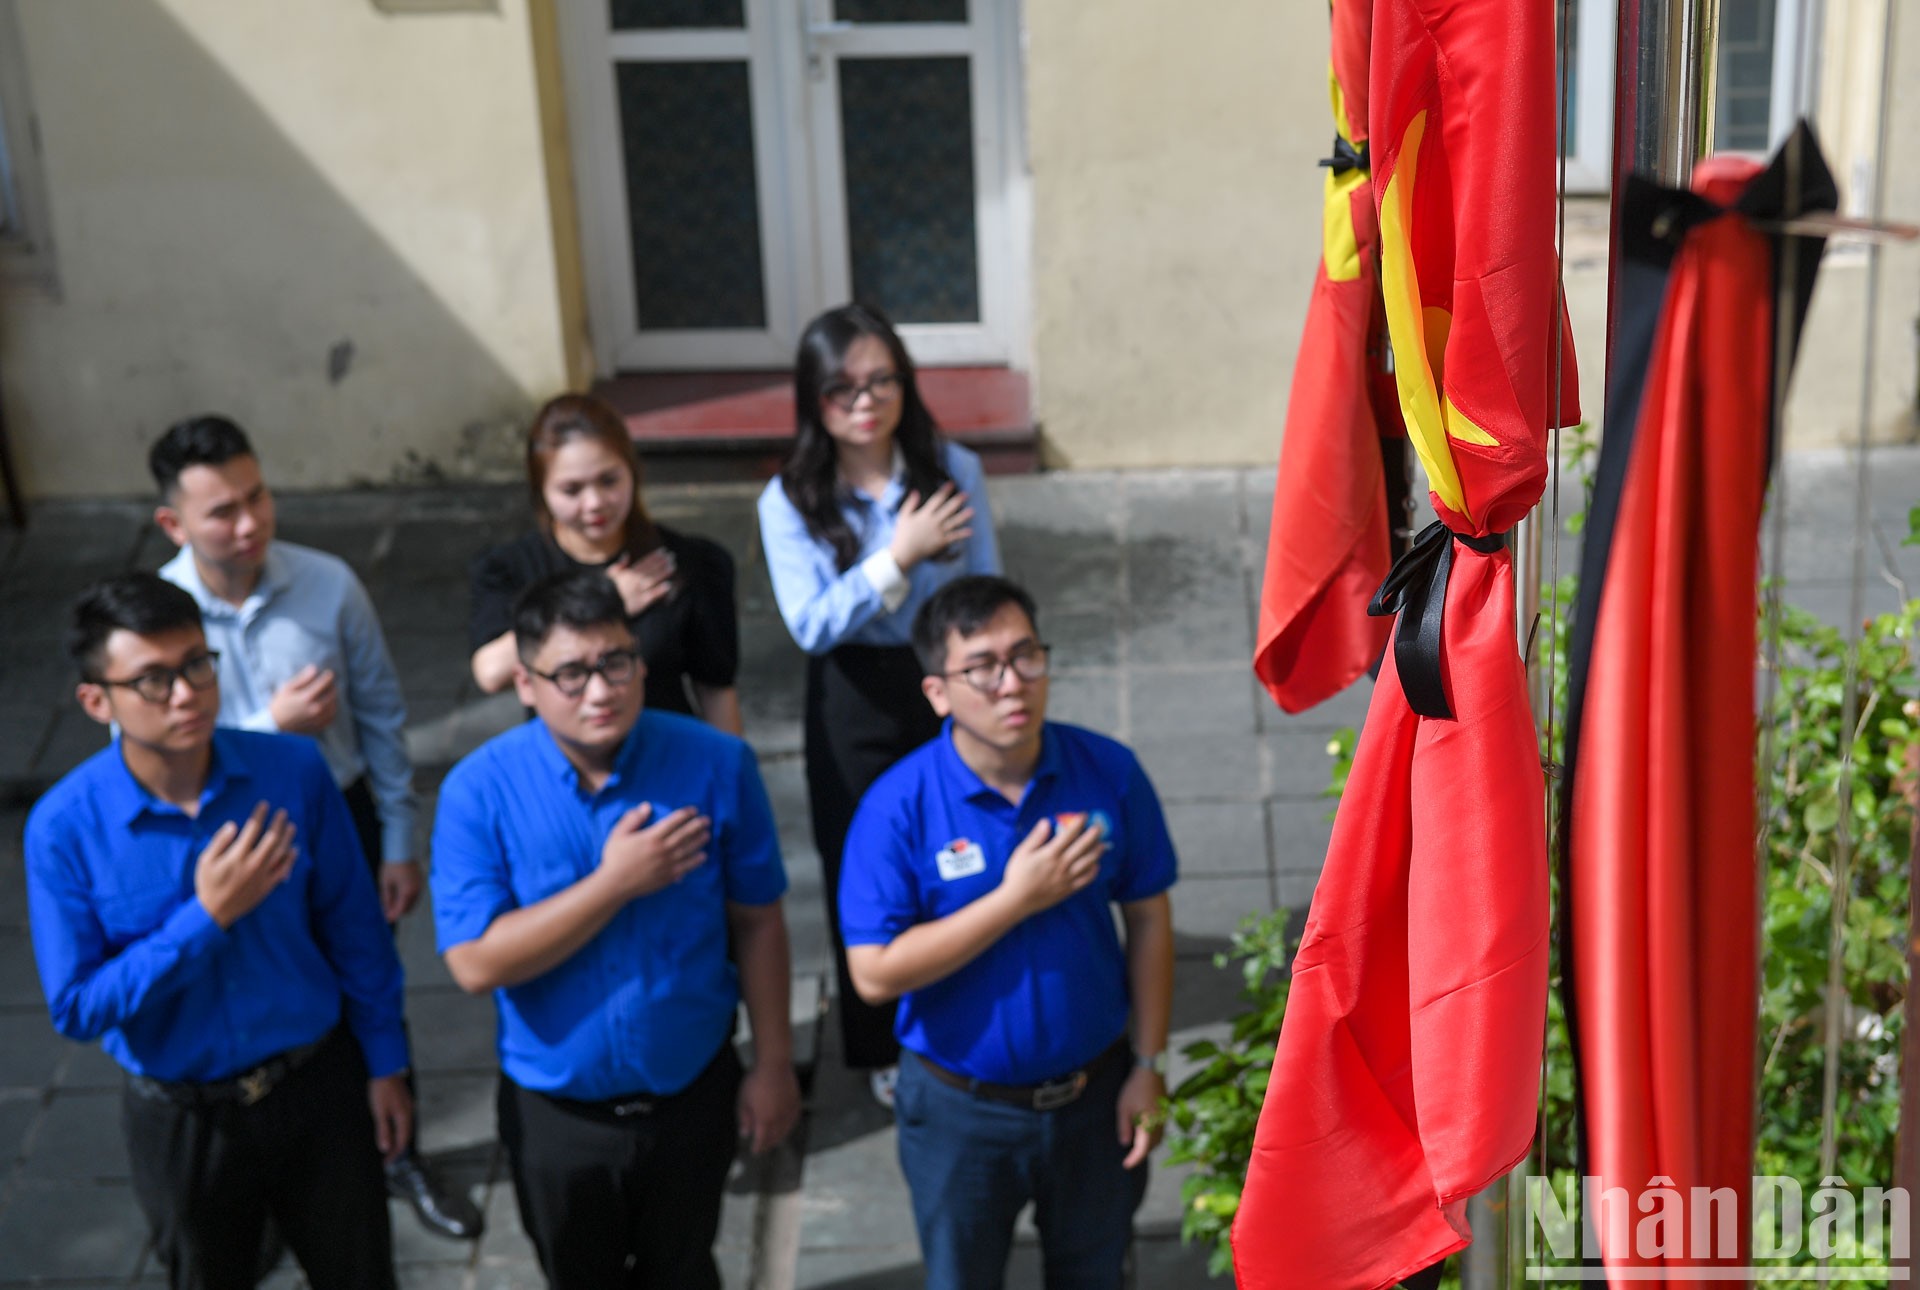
(1796, 47)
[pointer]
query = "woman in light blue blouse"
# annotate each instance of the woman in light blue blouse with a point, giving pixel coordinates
(873, 512)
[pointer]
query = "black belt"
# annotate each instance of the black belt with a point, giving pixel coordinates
(1050, 1096)
(627, 1106)
(244, 1089)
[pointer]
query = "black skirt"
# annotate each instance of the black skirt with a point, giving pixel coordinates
(864, 712)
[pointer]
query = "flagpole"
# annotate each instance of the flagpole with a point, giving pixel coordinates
(1663, 97)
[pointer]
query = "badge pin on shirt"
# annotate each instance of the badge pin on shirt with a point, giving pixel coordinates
(1096, 820)
(961, 858)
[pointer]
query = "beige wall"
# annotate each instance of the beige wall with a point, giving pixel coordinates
(330, 222)
(1176, 222)
(1176, 229)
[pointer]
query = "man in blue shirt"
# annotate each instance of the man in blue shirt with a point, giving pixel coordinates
(980, 877)
(300, 652)
(614, 878)
(199, 906)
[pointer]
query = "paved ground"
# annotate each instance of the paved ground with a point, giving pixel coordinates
(1147, 585)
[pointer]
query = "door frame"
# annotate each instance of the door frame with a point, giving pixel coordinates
(793, 272)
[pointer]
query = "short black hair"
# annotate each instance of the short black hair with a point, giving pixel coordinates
(576, 598)
(964, 605)
(208, 440)
(142, 603)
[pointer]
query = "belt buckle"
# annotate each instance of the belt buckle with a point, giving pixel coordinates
(1053, 1096)
(254, 1085)
(633, 1106)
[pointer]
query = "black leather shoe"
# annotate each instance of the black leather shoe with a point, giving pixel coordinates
(440, 1210)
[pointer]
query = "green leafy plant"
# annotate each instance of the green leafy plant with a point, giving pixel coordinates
(1212, 1114)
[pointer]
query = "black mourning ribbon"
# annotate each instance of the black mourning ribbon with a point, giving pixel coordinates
(1346, 157)
(1416, 589)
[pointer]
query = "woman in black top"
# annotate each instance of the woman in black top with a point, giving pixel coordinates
(585, 482)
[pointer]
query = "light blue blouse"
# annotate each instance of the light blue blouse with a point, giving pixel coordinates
(825, 607)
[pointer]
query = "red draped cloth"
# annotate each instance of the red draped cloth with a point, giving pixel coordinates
(1329, 542)
(1407, 1067)
(1660, 817)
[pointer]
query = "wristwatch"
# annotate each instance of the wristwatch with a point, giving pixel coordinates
(1155, 1062)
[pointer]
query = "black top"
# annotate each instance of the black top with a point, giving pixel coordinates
(692, 635)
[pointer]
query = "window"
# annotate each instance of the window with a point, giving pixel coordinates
(1763, 81)
(26, 247)
(1587, 140)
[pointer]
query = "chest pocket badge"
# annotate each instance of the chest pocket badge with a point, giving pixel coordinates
(1096, 820)
(960, 858)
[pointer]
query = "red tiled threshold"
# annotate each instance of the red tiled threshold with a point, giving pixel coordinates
(737, 425)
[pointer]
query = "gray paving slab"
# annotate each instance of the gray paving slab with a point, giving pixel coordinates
(20, 1111)
(1090, 698)
(453, 1031)
(1185, 700)
(1207, 909)
(1302, 828)
(1201, 766)
(1218, 839)
(73, 1233)
(1298, 764)
(19, 978)
(31, 1054)
(78, 1141)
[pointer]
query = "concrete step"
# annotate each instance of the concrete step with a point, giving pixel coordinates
(698, 427)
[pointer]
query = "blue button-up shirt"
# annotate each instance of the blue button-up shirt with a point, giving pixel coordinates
(824, 606)
(645, 1004)
(1051, 994)
(310, 609)
(129, 955)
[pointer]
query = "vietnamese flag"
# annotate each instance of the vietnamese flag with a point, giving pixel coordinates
(1407, 1067)
(1663, 985)
(1329, 544)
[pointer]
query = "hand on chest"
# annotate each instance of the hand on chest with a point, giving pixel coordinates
(967, 857)
(271, 650)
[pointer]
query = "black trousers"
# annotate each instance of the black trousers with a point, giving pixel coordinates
(209, 1177)
(865, 712)
(625, 1193)
(366, 823)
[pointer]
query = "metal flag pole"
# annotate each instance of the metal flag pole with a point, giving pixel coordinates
(1663, 96)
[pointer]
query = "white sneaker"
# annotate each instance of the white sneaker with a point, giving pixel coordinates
(881, 1082)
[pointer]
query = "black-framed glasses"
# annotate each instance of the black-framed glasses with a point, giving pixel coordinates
(615, 667)
(845, 394)
(155, 685)
(1029, 663)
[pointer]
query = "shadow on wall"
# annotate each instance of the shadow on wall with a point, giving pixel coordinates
(206, 263)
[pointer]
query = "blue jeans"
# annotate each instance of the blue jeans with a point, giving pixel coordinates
(972, 1165)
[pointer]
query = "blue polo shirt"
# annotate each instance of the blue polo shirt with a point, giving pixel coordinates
(129, 955)
(645, 1004)
(1052, 993)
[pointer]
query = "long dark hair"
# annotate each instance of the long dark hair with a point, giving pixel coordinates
(811, 476)
(581, 416)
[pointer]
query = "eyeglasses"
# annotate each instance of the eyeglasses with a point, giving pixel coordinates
(156, 684)
(615, 667)
(1029, 663)
(844, 394)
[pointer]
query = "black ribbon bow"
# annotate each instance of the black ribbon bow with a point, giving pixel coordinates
(1416, 589)
(1346, 157)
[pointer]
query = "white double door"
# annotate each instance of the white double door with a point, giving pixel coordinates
(743, 164)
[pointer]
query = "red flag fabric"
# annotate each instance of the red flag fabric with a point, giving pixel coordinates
(1329, 542)
(1660, 808)
(1407, 1066)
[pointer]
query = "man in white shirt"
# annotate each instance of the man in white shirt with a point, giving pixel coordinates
(301, 652)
